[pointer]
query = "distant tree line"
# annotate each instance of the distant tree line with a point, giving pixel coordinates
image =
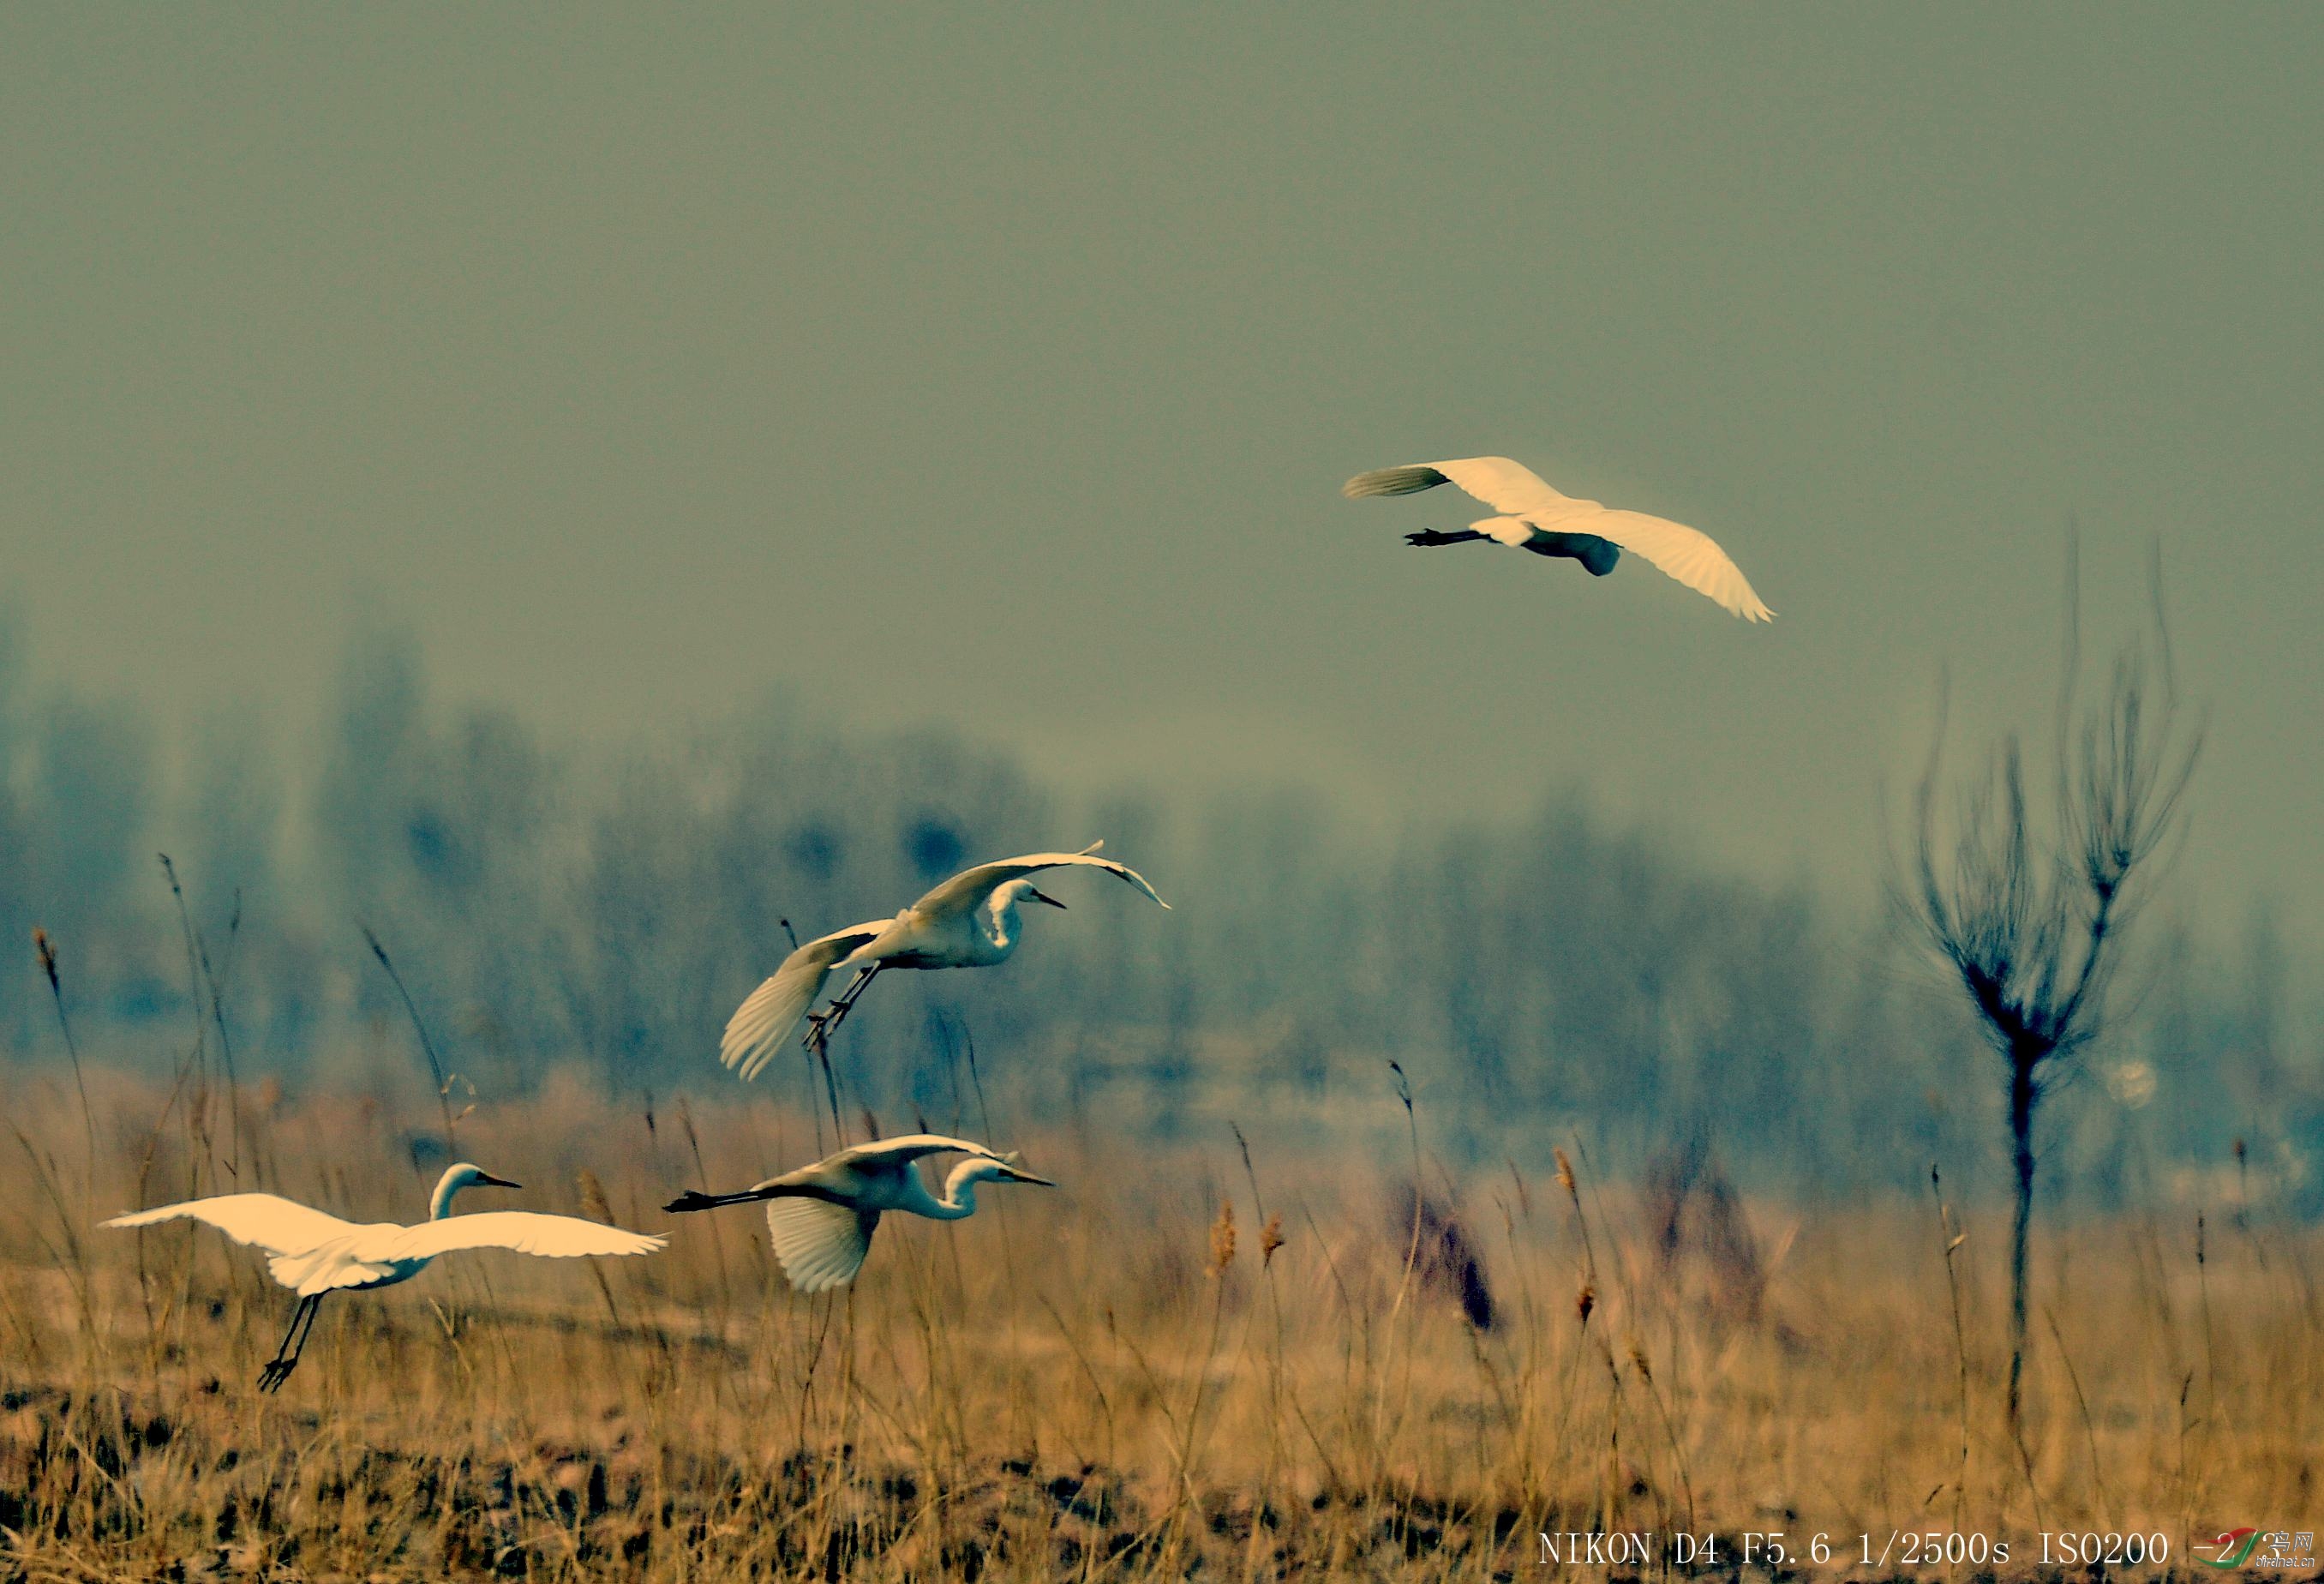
(1547, 980)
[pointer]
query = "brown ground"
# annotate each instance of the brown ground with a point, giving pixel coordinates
(1079, 1383)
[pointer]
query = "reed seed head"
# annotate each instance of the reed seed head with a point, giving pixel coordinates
(1270, 1239)
(1223, 1238)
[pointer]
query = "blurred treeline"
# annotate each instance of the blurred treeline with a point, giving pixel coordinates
(1563, 978)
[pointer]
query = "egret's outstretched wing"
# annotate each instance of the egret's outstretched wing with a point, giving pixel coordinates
(970, 887)
(820, 1243)
(1501, 484)
(263, 1220)
(520, 1231)
(843, 1175)
(765, 1019)
(1410, 480)
(907, 1147)
(1687, 554)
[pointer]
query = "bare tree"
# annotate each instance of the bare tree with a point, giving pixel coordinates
(2033, 922)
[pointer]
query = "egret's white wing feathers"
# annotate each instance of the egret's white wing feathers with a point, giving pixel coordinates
(1501, 484)
(905, 1148)
(519, 1231)
(1407, 480)
(846, 1173)
(1504, 485)
(972, 886)
(263, 1220)
(1687, 554)
(819, 1244)
(764, 1022)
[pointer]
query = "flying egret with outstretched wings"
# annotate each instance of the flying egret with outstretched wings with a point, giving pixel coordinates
(1537, 518)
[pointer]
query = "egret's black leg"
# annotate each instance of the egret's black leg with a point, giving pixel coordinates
(818, 1039)
(1431, 536)
(819, 1025)
(314, 1308)
(278, 1368)
(838, 1009)
(266, 1375)
(294, 1344)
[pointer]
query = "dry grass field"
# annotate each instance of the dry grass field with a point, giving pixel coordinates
(1121, 1378)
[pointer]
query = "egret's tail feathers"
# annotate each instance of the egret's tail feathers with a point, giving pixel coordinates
(1410, 480)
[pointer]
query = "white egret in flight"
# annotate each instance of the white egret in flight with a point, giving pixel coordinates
(821, 1217)
(970, 920)
(1537, 518)
(313, 1254)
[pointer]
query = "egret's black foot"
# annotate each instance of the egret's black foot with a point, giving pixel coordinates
(276, 1372)
(691, 1200)
(1430, 536)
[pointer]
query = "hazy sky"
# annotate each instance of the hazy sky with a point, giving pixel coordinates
(998, 365)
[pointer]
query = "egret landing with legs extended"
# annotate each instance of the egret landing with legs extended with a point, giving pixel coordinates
(313, 1252)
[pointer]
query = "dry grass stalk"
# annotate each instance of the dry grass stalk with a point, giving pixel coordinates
(1109, 1412)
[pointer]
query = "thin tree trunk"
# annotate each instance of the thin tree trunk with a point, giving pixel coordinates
(2023, 1094)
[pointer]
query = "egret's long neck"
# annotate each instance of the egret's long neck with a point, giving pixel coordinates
(959, 1201)
(1001, 923)
(440, 1206)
